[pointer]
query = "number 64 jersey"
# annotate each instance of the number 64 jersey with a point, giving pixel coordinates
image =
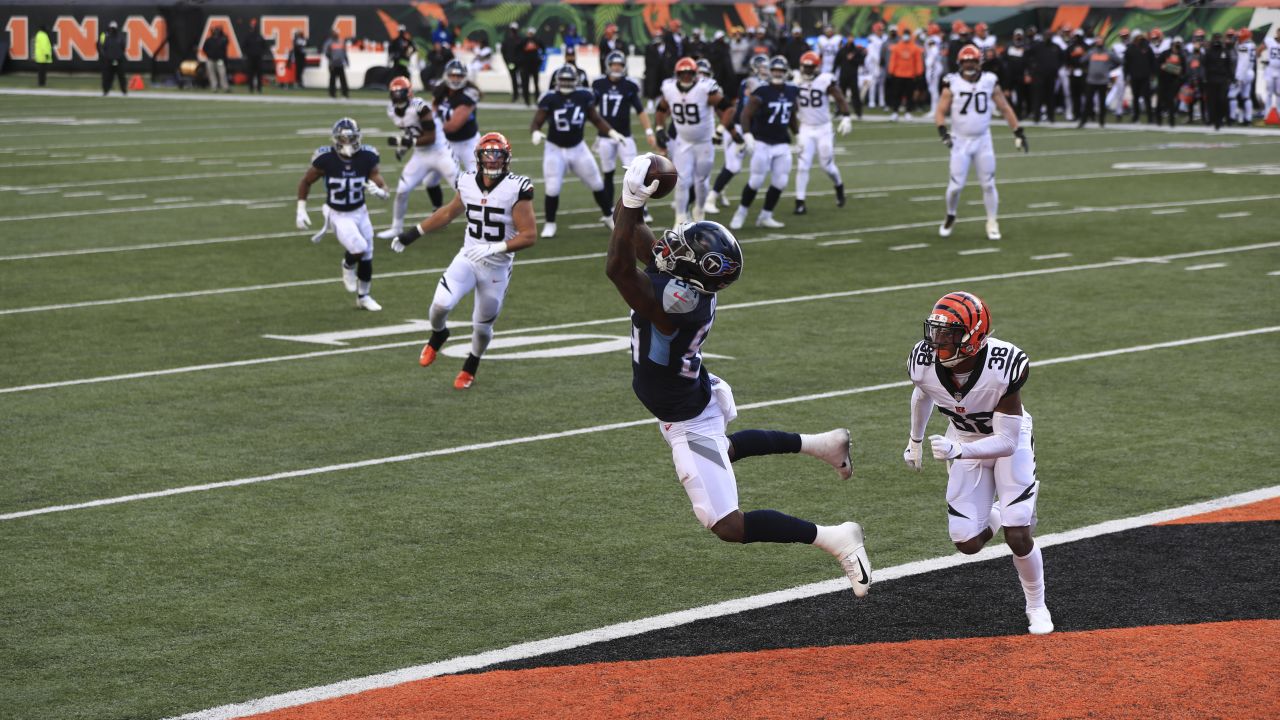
(490, 212)
(971, 104)
(1002, 369)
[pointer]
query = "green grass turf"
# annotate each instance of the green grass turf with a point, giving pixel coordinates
(167, 605)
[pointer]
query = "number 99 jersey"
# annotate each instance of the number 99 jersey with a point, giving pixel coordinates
(690, 110)
(1002, 369)
(971, 104)
(490, 213)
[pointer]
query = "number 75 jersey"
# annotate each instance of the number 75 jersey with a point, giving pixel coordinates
(1002, 369)
(971, 104)
(490, 213)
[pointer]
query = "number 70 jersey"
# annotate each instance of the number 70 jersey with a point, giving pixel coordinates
(490, 215)
(1001, 370)
(971, 104)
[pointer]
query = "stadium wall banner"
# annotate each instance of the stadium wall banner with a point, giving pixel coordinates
(161, 35)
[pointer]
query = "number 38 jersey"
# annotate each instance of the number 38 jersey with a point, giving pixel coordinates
(490, 213)
(344, 177)
(971, 104)
(814, 100)
(689, 109)
(1002, 369)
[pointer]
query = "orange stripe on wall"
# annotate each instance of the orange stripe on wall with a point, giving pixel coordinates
(1070, 16)
(1265, 510)
(1209, 670)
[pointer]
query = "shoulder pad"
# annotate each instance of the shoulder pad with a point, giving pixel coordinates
(472, 92)
(921, 357)
(679, 298)
(371, 150)
(321, 151)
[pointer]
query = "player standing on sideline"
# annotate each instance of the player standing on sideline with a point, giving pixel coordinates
(570, 107)
(691, 102)
(1271, 76)
(673, 305)
(499, 210)
(349, 169)
(731, 120)
(967, 99)
(455, 104)
(828, 48)
(1246, 65)
(616, 96)
(771, 117)
(431, 160)
(816, 135)
(989, 447)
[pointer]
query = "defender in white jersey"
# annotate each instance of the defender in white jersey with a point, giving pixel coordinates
(431, 161)
(1246, 65)
(500, 221)
(828, 47)
(1271, 76)
(691, 102)
(816, 135)
(967, 100)
(976, 381)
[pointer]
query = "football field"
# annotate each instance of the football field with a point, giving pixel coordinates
(222, 481)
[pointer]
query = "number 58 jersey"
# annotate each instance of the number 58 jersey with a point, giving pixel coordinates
(971, 104)
(490, 214)
(1001, 370)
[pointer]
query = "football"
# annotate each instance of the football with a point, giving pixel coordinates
(662, 170)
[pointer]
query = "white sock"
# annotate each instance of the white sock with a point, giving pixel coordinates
(1031, 572)
(829, 538)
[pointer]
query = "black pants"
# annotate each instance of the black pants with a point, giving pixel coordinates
(115, 70)
(1141, 89)
(42, 75)
(299, 66)
(1167, 103)
(1215, 101)
(849, 85)
(338, 75)
(527, 74)
(1094, 92)
(253, 68)
(1077, 87)
(514, 72)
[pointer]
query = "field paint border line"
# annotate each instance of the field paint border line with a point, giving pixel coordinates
(587, 323)
(305, 472)
(684, 617)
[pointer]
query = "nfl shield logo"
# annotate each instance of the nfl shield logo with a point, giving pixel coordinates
(959, 409)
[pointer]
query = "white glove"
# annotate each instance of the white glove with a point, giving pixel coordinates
(302, 220)
(911, 456)
(944, 448)
(617, 136)
(537, 137)
(749, 142)
(372, 188)
(846, 125)
(634, 192)
(397, 246)
(476, 253)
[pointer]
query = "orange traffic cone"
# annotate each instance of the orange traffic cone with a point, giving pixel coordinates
(1273, 117)
(135, 82)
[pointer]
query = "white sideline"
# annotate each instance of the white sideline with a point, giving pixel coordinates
(685, 617)
(306, 472)
(584, 323)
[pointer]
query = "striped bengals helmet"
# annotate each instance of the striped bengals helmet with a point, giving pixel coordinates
(810, 63)
(493, 154)
(957, 328)
(401, 91)
(686, 72)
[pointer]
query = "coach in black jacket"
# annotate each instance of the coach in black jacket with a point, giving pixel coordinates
(1217, 77)
(1139, 66)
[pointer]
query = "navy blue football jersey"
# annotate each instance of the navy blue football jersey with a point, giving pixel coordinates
(615, 100)
(667, 371)
(449, 102)
(771, 122)
(566, 115)
(344, 177)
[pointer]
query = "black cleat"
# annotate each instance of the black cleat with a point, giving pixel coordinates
(839, 196)
(800, 208)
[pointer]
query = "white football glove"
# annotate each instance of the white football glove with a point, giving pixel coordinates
(748, 142)
(944, 448)
(537, 137)
(397, 246)
(634, 192)
(617, 136)
(373, 189)
(911, 456)
(476, 253)
(302, 220)
(846, 125)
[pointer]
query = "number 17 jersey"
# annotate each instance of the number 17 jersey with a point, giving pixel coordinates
(490, 213)
(1001, 370)
(971, 104)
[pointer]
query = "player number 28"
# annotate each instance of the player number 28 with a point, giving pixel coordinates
(346, 190)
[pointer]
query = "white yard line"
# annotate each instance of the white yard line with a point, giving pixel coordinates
(979, 251)
(131, 181)
(152, 246)
(909, 246)
(851, 241)
(1205, 266)
(1227, 216)
(125, 210)
(1168, 211)
(1051, 256)
(632, 628)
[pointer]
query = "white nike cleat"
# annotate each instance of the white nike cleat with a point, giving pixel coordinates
(390, 232)
(549, 230)
(993, 230)
(1040, 622)
(944, 230)
(768, 222)
(832, 448)
(607, 221)
(365, 302)
(699, 213)
(348, 277)
(852, 555)
(711, 206)
(739, 218)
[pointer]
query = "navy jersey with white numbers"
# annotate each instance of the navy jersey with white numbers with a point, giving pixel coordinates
(450, 101)
(772, 120)
(344, 177)
(667, 371)
(615, 99)
(566, 115)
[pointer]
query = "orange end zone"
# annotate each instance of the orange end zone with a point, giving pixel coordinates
(1253, 512)
(1210, 670)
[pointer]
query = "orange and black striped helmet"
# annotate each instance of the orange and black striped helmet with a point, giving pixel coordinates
(493, 154)
(957, 328)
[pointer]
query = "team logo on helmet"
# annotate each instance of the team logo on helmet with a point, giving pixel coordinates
(703, 254)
